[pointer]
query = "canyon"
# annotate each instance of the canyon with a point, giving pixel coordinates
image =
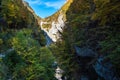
(82, 38)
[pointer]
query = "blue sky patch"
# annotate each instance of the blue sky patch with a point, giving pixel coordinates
(45, 8)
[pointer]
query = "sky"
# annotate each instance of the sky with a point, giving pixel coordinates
(45, 8)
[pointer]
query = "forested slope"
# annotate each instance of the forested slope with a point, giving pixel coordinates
(90, 40)
(23, 55)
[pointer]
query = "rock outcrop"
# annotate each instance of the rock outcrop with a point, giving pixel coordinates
(94, 67)
(90, 27)
(54, 32)
(54, 24)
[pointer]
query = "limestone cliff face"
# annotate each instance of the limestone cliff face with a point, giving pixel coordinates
(89, 30)
(56, 28)
(54, 25)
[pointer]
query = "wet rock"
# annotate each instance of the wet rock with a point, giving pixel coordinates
(105, 69)
(94, 67)
(6, 52)
(85, 52)
(48, 39)
(59, 73)
(86, 58)
(83, 77)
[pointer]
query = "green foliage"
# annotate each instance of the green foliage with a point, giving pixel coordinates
(12, 59)
(23, 40)
(42, 39)
(28, 61)
(10, 14)
(1, 71)
(111, 46)
(106, 11)
(5, 37)
(93, 24)
(1, 41)
(9, 10)
(65, 58)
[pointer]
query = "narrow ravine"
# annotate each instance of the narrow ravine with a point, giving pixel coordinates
(58, 71)
(81, 41)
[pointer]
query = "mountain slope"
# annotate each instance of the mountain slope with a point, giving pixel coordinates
(54, 24)
(90, 35)
(23, 51)
(86, 36)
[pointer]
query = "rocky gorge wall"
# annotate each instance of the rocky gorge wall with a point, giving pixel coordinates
(90, 39)
(55, 28)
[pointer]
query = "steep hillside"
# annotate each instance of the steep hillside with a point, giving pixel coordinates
(90, 39)
(85, 37)
(22, 44)
(54, 24)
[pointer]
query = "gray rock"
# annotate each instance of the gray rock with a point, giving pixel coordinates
(85, 52)
(54, 32)
(105, 69)
(100, 66)
(48, 39)
(2, 55)
(6, 52)
(84, 78)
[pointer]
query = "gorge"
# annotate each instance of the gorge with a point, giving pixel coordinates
(82, 38)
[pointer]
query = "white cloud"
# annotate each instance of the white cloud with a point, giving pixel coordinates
(56, 4)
